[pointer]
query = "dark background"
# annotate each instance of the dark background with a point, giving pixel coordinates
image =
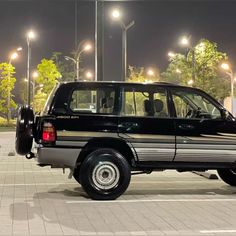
(158, 27)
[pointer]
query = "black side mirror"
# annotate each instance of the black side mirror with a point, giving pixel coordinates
(224, 114)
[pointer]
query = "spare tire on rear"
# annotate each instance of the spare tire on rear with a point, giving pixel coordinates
(24, 130)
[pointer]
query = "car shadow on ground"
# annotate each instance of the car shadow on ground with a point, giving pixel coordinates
(50, 205)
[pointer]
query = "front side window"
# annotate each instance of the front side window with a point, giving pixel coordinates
(192, 104)
(95, 100)
(145, 102)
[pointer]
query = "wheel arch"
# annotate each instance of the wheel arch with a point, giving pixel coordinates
(117, 144)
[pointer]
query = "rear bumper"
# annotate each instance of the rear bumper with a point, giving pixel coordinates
(58, 157)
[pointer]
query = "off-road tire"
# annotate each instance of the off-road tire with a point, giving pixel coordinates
(105, 174)
(228, 176)
(24, 130)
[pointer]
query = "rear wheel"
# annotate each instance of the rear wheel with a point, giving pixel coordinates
(24, 130)
(105, 174)
(228, 176)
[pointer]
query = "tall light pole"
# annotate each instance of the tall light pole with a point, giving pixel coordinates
(116, 15)
(30, 35)
(13, 56)
(185, 41)
(230, 73)
(76, 60)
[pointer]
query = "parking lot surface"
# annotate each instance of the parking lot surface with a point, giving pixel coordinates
(43, 201)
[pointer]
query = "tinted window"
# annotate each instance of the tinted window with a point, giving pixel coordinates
(145, 102)
(94, 100)
(192, 104)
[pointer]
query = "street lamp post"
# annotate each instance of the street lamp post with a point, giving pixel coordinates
(185, 41)
(117, 16)
(13, 56)
(230, 73)
(34, 88)
(30, 35)
(76, 60)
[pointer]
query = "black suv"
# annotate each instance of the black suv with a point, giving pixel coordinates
(103, 131)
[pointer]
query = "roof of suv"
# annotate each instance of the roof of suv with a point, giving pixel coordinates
(125, 83)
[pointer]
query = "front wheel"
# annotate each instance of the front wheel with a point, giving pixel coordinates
(228, 176)
(105, 174)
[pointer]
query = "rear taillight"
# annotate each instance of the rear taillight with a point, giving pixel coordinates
(49, 133)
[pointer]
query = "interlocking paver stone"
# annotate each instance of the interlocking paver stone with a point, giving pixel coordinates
(43, 201)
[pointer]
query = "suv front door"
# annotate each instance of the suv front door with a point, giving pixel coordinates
(145, 122)
(202, 134)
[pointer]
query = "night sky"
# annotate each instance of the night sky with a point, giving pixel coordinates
(158, 26)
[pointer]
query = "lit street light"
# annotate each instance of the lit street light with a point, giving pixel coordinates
(13, 56)
(116, 15)
(171, 55)
(185, 41)
(34, 88)
(88, 75)
(30, 35)
(76, 60)
(229, 72)
(150, 72)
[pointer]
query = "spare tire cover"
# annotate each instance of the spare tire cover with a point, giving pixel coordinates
(24, 130)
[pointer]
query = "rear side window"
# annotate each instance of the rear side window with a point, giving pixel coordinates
(93, 100)
(145, 102)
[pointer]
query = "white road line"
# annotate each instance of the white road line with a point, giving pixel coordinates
(156, 200)
(28, 171)
(218, 231)
(45, 184)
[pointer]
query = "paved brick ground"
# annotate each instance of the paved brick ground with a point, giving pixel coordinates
(43, 201)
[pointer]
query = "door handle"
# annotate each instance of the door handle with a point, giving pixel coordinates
(186, 127)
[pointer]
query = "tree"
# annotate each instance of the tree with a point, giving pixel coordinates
(48, 75)
(39, 101)
(66, 68)
(207, 74)
(7, 83)
(137, 74)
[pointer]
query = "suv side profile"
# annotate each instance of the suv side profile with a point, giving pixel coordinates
(104, 131)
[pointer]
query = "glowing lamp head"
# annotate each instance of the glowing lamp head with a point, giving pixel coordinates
(31, 35)
(87, 47)
(89, 75)
(35, 74)
(116, 14)
(184, 41)
(13, 56)
(225, 66)
(150, 72)
(171, 54)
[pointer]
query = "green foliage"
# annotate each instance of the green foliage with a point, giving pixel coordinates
(7, 83)
(207, 73)
(66, 68)
(39, 101)
(5, 123)
(137, 74)
(48, 75)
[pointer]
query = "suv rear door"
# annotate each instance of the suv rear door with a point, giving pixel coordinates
(145, 122)
(89, 110)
